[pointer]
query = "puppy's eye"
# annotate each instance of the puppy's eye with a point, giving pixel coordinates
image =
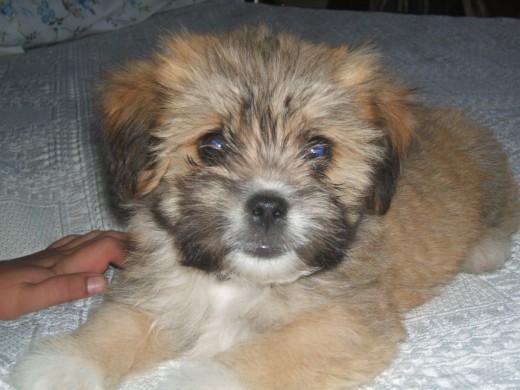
(212, 148)
(318, 147)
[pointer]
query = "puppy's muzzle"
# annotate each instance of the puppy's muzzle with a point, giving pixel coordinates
(267, 213)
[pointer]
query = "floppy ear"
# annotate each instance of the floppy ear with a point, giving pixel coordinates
(129, 107)
(387, 106)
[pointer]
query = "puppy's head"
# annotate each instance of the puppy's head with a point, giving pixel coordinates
(257, 153)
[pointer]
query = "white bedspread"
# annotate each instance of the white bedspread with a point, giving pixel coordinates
(52, 182)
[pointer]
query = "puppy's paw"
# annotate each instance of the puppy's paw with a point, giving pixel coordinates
(51, 371)
(488, 255)
(200, 375)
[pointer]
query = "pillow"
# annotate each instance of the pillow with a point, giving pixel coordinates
(28, 23)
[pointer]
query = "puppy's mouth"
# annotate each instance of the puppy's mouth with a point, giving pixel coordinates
(263, 250)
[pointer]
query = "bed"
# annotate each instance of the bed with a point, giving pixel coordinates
(53, 181)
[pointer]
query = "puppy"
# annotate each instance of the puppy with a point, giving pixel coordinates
(289, 201)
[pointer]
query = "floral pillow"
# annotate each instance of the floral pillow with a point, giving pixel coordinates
(27, 23)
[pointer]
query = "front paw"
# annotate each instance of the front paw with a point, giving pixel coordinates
(54, 370)
(199, 375)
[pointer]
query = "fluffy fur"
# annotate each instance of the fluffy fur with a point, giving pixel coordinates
(289, 201)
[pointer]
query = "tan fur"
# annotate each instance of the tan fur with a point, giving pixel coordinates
(289, 201)
(127, 343)
(327, 348)
(454, 159)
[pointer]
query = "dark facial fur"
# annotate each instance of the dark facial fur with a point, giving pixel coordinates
(206, 230)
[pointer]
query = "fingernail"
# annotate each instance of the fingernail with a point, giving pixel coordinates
(96, 284)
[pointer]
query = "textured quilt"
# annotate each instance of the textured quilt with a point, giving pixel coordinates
(52, 180)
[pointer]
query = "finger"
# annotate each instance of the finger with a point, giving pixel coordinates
(94, 256)
(79, 240)
(59, 249)
(60, 289)
(63, 241)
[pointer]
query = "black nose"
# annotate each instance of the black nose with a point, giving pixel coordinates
(267, 210)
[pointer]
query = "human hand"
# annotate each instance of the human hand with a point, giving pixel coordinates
(69, 269)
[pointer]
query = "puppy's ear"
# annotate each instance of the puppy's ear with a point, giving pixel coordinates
(387, 106)
(129, 107)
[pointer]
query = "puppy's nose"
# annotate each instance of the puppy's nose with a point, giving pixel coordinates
(267, 210)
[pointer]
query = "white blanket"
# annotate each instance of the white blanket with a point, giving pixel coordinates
(52, 181)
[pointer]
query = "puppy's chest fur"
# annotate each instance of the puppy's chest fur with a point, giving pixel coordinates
(207, 316)
(228, 316)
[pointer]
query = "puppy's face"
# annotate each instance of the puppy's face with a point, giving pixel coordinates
(257, 153)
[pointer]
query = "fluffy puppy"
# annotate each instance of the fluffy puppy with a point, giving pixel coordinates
(288, 201)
